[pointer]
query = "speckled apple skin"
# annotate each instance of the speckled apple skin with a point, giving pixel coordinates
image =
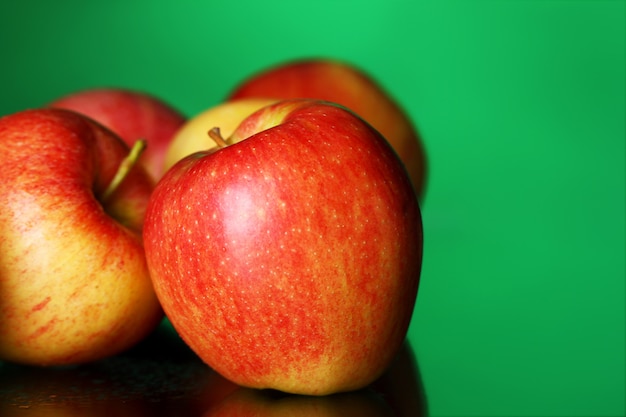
(291, 258)
(74, 284)
(193, 135)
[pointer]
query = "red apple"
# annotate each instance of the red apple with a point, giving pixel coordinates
(343, 83)
(132, 115)
(74, 284)
(289, 258)
(193, 135)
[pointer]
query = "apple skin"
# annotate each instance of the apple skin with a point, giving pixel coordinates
(132, 115)
(289, 259)
(193, 135)
(345, 84)
(74, 284)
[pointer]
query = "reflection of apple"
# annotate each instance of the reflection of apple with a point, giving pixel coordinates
(132, 115)
(193, 135)
(349, 86)
(399, 392)
(290, 258)
(401, 385)
(160, 376)
(74, 283)
(258, 403)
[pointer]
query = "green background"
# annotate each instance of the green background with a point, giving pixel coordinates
(521, 106)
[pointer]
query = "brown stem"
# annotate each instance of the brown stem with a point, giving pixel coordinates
(125, 166)
(216, 135)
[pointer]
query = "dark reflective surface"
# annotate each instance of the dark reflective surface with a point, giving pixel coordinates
(162, 377)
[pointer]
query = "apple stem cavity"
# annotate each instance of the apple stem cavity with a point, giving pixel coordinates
(216, 135)
(125, 166)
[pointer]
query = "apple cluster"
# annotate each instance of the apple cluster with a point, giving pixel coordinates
(278, 231)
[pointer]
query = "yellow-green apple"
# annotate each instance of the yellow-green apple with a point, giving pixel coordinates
(344, 83)
(290, 257)
(132, 115)
(74, 284)
(194, 136)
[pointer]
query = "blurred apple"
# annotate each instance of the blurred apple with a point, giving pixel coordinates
(351, 87)
(193, 135)
(74, 285)
(131, 114)
(289, 258)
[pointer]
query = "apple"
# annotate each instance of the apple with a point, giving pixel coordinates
(133, 115)
(344, 83)
(193, 135)
(289, 257)
(74, 283)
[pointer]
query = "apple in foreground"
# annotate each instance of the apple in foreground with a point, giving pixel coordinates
(132, 115)
(345, 84)
(193, 136)
(74, 283)
(290, 257)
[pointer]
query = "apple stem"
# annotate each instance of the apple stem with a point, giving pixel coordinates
(125, 166)
(216, 135)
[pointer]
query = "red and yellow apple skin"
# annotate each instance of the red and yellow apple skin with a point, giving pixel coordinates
(132, 115)
(345, 84)
(289, 259)
(74, 284)
(193, 135)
